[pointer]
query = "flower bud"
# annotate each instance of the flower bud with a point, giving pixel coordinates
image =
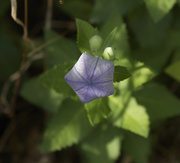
(109, 54)
(95, 43)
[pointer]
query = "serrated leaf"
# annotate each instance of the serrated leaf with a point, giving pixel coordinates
(85, 32)
(54, 79)
(132, 116)
(102, 145)
(159, 102)
(159, 8)
(36, 93)
(121, 73)
(97, 110)
(67, 127)
(173, 70)
(137, 147)
(61, 50)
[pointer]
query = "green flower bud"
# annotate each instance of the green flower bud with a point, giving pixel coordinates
(95, 43)
(109, 54)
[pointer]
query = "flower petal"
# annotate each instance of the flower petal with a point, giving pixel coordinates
(86, 94)
(91, 78)
(75, 80)
(85, 65)
(104, 71)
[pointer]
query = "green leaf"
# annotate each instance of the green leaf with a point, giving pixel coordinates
(159, 8)
(77, 8)
(159, 102)
(103, 8)
(85, 32)
(103, 145)
(137, 147)
(173, 70)
(130, 116)
(54, 79)
(97, 110)
(61, 50)
(67, 127)
(148, 33)
(34, 92)
(110, 39)
(141, 74)
(121, 73)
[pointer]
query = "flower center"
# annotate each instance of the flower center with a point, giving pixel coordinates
(90, 82)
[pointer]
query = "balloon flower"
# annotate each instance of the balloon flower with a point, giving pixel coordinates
(91, 78)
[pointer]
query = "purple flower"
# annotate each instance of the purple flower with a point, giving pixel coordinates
(91, 78)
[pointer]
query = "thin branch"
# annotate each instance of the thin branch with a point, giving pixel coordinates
(18, 81)
(49, 14)
(5, 137)
(31, 56)
(14, 16)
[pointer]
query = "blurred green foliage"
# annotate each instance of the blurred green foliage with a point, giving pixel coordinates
(146, 37)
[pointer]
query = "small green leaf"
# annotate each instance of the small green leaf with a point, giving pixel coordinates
(132, 116)
(173, 70)
(159, 102)
(97, 110)
(110, 39)
(36, 93)
(67, 127)
(159, 8)
(103, 145)
(120, 73)
(54, 79)
(85, 32)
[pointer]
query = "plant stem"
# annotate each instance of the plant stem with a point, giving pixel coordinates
(18, 81)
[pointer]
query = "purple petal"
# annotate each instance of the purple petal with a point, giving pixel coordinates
(105, 71)
(91, 78)
(85, 65)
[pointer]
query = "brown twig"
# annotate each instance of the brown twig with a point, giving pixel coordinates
(5, 137)
(48, 25)
(49, 14)
(17, 84)
(35, 54)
